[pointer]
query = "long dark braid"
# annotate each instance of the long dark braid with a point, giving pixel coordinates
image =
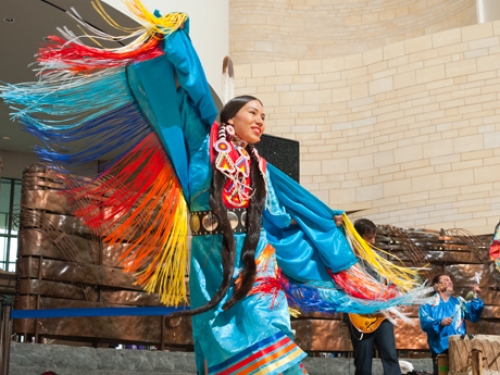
(228, 246)
(253, 224)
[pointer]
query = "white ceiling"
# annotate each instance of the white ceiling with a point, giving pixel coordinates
(19, 41)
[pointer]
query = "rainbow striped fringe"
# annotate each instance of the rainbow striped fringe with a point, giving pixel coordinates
(83, 112)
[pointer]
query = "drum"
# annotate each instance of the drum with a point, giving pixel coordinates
(473, 355)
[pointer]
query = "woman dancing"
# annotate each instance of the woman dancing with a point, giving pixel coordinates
(261, 244)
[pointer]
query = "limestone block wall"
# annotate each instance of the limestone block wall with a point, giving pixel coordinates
(408, 133)
(284, 30)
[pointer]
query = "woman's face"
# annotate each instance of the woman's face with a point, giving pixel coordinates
(249, 122)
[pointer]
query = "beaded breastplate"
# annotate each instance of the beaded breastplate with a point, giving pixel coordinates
(233, 161)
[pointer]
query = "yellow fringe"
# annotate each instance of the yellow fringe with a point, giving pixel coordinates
(403, 277)
(169, 276)
(293, 312)
(165, 25)
(100, 9)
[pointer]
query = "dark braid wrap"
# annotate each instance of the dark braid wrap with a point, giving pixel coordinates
(253, 224)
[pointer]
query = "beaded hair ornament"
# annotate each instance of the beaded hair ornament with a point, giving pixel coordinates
(233, 161)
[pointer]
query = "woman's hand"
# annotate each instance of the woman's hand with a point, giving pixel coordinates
(339, 220)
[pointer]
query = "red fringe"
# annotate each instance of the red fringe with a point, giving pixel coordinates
(494, 250)
(363, 288)
(116, 192)
(133, 203)
(84, 59)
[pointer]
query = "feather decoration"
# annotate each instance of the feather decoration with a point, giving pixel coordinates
(227, 80)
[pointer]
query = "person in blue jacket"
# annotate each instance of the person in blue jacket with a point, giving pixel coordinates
(446, 315)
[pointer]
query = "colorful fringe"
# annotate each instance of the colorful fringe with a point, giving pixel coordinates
(88, 114)
(402, 277)
(71, 56)
(82, 59)
(139, 200)
(355, 282)
(353, 291)
(327, 298)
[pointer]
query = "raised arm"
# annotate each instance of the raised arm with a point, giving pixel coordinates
(474, 309)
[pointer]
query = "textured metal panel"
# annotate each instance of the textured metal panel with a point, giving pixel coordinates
(464, 275)
(453, 257)
(7, 283)
(58, 245)
(127, 297)
(321, 335)
(40, 176)
(491, 312)
(111, 253)
(489, 296)
(333, 335)
(46, 200)
(57, 289)
(49, 221)
(410, 336)
(76, 273)
(85, 292)
(61, 264)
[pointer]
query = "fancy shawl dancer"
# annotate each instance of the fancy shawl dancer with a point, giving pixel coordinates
(261, 244)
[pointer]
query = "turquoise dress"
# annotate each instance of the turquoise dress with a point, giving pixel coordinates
(254, 336)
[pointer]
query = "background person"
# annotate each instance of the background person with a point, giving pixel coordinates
(383, 337)
(446, 315)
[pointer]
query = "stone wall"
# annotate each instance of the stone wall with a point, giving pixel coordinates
(409, 133)
(33, 359)
(285, 30)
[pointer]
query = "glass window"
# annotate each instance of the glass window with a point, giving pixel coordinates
(10, 204)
